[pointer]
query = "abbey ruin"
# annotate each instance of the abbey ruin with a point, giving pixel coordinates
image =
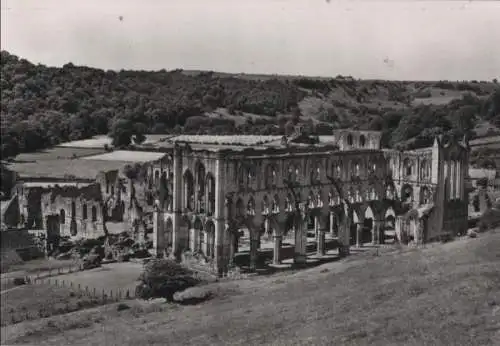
(200, 194)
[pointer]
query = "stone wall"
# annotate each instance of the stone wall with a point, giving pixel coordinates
(79, 210)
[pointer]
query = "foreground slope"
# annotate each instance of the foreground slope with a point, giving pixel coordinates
(446, 294)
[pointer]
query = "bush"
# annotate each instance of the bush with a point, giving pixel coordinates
(162, 278)
(91, 261)
(489, 220)
(122, 306)
(19, 281)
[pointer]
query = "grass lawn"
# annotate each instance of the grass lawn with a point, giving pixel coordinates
(446, 294)
(35, 266)
(112, 276)
(33, 301)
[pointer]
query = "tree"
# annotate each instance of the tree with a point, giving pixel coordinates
(121, 133)
(8, 180)
(162, 278)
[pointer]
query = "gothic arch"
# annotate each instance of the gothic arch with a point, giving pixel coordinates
(407, 167)
(250, 206)
(271, 175)
(210, 194)
(265, 205)
(62, 216)
(188, 186)
(362, 141)
(275, 206)
(425, 195)
(240, 208)
(407, 194)
(316, 171)
(425, 169)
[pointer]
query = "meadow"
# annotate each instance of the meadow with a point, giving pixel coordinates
(443, 294)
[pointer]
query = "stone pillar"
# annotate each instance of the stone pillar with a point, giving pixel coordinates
(278, 239)
(359, 235)
(376, 232)
(300, 226)
(320, 250)
(233, 248)
(177, 201)
(400, 229)
(158, 233)
(266, 228)
(254, 247)
(316, 228)
(332, 226)
(345, 235)
(220, 218)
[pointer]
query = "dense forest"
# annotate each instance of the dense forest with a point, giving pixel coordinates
(42, 106)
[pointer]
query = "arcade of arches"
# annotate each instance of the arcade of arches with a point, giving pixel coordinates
(226, 200)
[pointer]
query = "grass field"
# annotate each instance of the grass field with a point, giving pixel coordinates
(35, 266)
(58, 153)
(41, 300)
(112, 276)
(446, 294)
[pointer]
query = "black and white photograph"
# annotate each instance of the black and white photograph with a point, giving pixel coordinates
(250, 172)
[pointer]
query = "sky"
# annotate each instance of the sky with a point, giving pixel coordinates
(386, 39)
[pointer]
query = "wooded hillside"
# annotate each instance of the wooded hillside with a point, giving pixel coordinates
(42, 106)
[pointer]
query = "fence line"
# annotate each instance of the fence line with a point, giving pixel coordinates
(97, 297)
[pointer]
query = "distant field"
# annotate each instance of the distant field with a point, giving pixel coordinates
(100, 141)
(445, 294)
(58, 153)
(78, 168)
(127, 155)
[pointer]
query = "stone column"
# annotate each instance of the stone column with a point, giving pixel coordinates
(320, 250)
(254, 247)
(400, 230)
(278, 239)
(220, 218)
(177, 201)
(233, 249)
(300, 256)
(375, 232)
(332, 227)
(359, 234)
(345, 235)
(158, 233)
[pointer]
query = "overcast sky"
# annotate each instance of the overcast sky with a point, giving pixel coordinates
(398, 39)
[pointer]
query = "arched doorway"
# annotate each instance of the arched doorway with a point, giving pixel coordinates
(210, 204)
(368, 224)
(389, 232)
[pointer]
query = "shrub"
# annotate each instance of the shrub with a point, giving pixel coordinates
(122, 306)
(490, 219)
(19, 281)
(162, 278)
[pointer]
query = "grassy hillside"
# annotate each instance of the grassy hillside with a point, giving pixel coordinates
(42, 106)
(446, 294)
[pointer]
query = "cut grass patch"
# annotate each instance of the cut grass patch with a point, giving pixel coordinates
(41, 300)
